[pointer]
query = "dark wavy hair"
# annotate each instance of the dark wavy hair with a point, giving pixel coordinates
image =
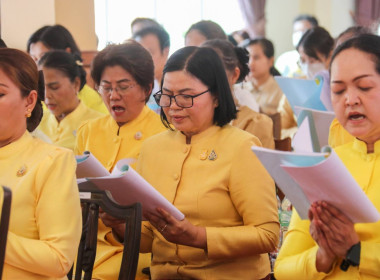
(132, 57)
(205, 65)
(316, 39)
(22, 71)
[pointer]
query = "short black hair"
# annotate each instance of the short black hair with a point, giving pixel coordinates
(35, 37)
(205, 65)
(2, 43)
(311, 19)
(316, 39)
(367, 43)
(161, 34)
(69, 64)
(132, 57)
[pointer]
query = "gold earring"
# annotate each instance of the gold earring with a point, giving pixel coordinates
(28, 113)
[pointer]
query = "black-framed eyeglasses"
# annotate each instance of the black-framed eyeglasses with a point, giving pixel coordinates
(182, 100)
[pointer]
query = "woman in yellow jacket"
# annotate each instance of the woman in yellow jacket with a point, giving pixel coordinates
(64, 77)
(45, 220)
(124, 76)
(330, 246)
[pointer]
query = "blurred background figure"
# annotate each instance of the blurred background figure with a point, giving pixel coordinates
(64, 77)
(156, 41)
(202, 31)
(2, 43)
(286, 63)
(142, 22)
(57, 37)
(235, 60)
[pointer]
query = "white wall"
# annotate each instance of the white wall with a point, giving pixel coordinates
(20, 18)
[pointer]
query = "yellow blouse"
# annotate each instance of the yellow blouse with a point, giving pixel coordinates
(64, 133)
(45, 222)
(110, 143)
(92, 99)
(298, 253)
(218, 183)
(338, 135)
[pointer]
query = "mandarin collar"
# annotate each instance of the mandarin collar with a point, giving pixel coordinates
(16, 146)
(361, 147)
(205, 134)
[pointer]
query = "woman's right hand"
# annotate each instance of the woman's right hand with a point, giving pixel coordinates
(117, 225)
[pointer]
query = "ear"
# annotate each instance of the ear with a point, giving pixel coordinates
(165, 52)
(76, 84)
(68, 49)
(235, 75)
(216, 102)
(31, 101)
(271, 61)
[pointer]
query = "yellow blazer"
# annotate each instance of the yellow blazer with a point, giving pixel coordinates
(298, 253)
(45, 222)
(64, 133)
(110, 143)
(257, 124)
(218, 183)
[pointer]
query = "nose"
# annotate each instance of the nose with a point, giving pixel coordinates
(352, 98)
(173, 104)
(47, 93)
(114, 95)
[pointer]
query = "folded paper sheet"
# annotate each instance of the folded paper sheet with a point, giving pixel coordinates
(125, 185)
(304, 93)
(313, 126)
(305, 178)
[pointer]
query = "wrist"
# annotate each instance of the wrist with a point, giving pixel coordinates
(324, 261)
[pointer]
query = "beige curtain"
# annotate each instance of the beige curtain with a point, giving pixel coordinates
(253, 12)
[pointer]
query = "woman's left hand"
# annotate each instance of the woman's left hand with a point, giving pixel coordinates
(338, 228)
(179, 232)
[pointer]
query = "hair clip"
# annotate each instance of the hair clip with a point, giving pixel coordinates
(79, 63)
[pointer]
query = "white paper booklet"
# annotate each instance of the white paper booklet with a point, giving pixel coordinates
(309, 177)
(124, 183)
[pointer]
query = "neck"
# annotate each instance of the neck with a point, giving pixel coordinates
(73, 106)
(12, 138)
(260, 80)
(370, 148)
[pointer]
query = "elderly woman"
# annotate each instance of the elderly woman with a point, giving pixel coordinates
(64, 77)
(208, 172)
(330, 245)
(124, 76)
(45, 222)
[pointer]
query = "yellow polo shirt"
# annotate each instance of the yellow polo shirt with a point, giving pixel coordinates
(219, 184)
(45, 222)
(338, 135)
(64, 133)
(298, 253)
(110, 143)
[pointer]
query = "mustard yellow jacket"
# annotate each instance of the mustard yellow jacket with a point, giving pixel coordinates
(45, 222)
(218, 183)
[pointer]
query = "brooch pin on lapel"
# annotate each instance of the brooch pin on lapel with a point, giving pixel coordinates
(213, 155)
(22, 171)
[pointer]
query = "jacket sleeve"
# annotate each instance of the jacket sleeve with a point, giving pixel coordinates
(58, 218)
(252, 192)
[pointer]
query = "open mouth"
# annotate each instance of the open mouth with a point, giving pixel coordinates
(356, 117)
(118, 109)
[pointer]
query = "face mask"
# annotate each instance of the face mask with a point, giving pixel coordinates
(310, 70)
(296, 37)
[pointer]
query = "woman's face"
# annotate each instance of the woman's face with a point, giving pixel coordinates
(125, 102)
(13, 110)
(60, 93)
(355, 94)
(37, 50)
(192, 120)
(311, 66)
(259, 64)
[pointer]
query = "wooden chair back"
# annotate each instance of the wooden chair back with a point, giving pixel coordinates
(4, 224)
(91, 199)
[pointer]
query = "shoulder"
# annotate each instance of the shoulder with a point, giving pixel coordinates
(236, 138)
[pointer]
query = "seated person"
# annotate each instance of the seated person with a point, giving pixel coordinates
(202, 31)
(124, 76)
(64, 77)
(321, 247)
(235, 60)
(57, 37)
(45, 221)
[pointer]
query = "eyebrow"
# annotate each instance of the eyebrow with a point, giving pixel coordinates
(356, 78)
(180, 91)
(52, 83)
(4, 85)
(119, 81)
